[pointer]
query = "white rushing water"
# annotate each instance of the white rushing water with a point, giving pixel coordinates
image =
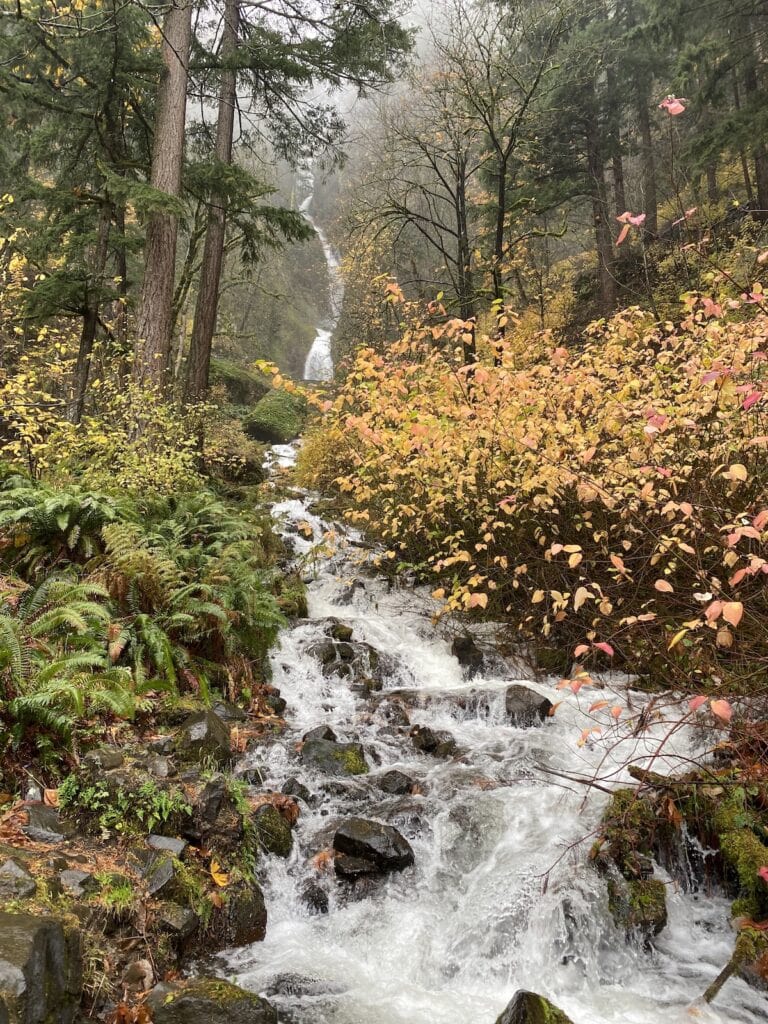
(450, 940)
(319, 362)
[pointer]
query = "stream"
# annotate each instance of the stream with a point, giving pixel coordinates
(319, 362)
(502, 895)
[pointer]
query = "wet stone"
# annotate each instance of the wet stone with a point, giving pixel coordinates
(530, 1008)
(208, 1000)
(468, 655)
(204, 735)
(314, 898)
(228, 712)
(335, 758)
(395, 783)
(339, 631)
(276, 704)
(525, 707)
(292, 787)
(40, 970)
(320, 732)
(162, 745)
(16, 883)
(45, 825)
(381, 847)
(180, 921)
(168, 844)
(437, 742)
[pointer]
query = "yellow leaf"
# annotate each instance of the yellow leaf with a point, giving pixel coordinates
(732, 612)
(574, 559)
(218, 874)
(677, 638)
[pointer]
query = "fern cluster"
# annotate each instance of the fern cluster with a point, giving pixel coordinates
(107, 601)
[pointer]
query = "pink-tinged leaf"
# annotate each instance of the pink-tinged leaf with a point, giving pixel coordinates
(624, 217)
(711, 309)
(721, 709)
(672, 105)
(733, 612)
(478, 601)
(763, 873)
(686, 508)
(563, 684)
(713, 611)
(737, 577)
(576, 685)
(598, 705)
(695, 702)
(751, 400)
(616, 712)
(663, 587)
(580, 649)
(622, 234)
(605, 648)
(760, 520)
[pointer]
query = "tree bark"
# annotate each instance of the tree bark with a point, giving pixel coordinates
(204, 325)
(650, 193)
(91, 315)
(154, 326)
(603, 236)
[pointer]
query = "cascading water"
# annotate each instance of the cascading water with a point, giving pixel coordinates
(450, 940)
(319, 362)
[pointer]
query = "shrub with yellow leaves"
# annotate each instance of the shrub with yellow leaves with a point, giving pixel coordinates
(610, 498)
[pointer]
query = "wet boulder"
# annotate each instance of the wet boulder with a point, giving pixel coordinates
(530, 1008)
(437, 742)
(638, 906)
(242, 920)
(368, 847)
(40, 970)
(45, 826)
(314, 897)
(211, 1000)
(292, 787)
(273, 831)
(526, 707)
(204, 735)
(468, 654)
(333, 758)
(358, 662)
(339, 630)
(320, 732)
(395, 783)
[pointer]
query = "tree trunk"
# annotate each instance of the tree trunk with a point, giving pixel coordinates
(204, 325)
(742, 154)
(650, 194)
(91, 315)
(760, 152)
(603, 236)
(154, 326)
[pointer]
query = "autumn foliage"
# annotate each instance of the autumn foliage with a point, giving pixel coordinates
(609, 497)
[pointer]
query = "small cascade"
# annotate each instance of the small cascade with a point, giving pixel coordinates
(319, 362)
(502, 894)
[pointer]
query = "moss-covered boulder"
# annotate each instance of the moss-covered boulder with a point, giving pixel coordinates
(638, 906)
(530, 1008)
(277, 418)
(211, 1000)
(333, 758)
(273, 831)
(243, 386)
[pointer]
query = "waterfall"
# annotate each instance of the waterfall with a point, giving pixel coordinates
(319, 361)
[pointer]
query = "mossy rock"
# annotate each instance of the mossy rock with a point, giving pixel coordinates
(530, 1008)
(243, 386)
(744, 854)
(335, 758)
(292, 597)
(639, 906)
(273, 831)
(211, 1000)
(277, 418)
(555, 661)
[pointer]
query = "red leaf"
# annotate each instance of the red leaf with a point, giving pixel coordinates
(580, 649)
(763, 872)
(721, 709)
(622, 234)
(695, 702)
(605, 648)
(750, 400)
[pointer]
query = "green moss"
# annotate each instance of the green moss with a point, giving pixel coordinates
(243, 386)
(629, 825)
(745, 855)
(353, 761)
(276, 418)
(292, 596)
(273, 831)
(639, 906)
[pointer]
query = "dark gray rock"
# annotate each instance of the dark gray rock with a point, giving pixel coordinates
(335, 758)
(155, 867)
(339, 631)
(468, 654)
(394, 712)
(104, 758)
(437, 742)
(314, 897)
(168, 844)
(45, 825)
(162, 745)
(395, 783)
(320, 732)
(16, 883)
(78, 883)
(204, 735)
(228, 712)
(292, 787)
(161, 767)
(244, 919)
(382, 847)
(526, 707)
(179, 921)
(208, 1001)
(210, 802)
(40, 970)
(529, 1008)
(276, 703)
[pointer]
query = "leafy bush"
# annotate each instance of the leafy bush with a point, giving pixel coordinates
(611, 497)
